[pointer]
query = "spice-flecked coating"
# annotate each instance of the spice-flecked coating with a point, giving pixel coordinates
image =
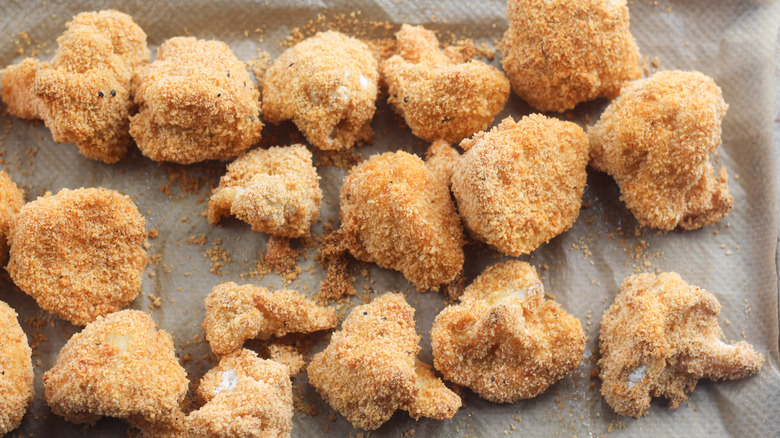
(245, 397)
(370, 368)
(327, 85)
(119, 366)
(504, 340)
(655, 140)
(11, 201)
(658, 338)
(398, 213)
(83, 95)
(559, 53)
(16, 371)
(236, 313)
(196, 102)
(79, 253)
(441, 95)
(276, 190)
(520, 184)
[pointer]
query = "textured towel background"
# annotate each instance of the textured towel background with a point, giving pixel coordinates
(734, 42)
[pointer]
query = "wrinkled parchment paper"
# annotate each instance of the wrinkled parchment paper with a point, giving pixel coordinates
(734, 42)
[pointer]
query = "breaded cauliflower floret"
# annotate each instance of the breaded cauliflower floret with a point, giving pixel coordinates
(83, 95)
(196, 102)
(398, 213)
(275, 190)
(370, 368)
(327, 85)
(659, 337)
(236, 313)
(245, 396)
(440, 159)
(442, 96)
(16, 371)
(79, 253)
(559, 53)
(119, 366)
(520, 184)
(504, 340)
(655, 139)
(11, 201)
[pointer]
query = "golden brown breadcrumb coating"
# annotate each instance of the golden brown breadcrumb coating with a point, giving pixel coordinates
(440, 159)
(236, 313)
(79, 253)
(504, 340)
(275, 190)
(655, 139)
(83, 95)
(245, 397)
(16, 371)
(441, 95)
(398, 213)
(119, 366)
(196, 102)
(659, 337)
(287, 355)
(559, 53)
(11, 201)
(327, 85)
(520, 184)
(369, 369)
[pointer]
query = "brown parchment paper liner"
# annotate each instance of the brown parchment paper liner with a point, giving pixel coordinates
(734, 42)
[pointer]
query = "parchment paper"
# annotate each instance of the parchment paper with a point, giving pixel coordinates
(732, 41)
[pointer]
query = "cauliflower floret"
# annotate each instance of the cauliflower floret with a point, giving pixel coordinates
(275, 190)
(16, 371)
(504, 340)
(327, 85)
(559, 53)
(11, 201)
(196, 102)
(440, 159)
(441, 95)
(83, 95)
(655, 139)
(236, 313)
(659, 337)
(398, 213)
(79, 253)
(369, 369)
(520, 184)
(244, 396)
(119, 366)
